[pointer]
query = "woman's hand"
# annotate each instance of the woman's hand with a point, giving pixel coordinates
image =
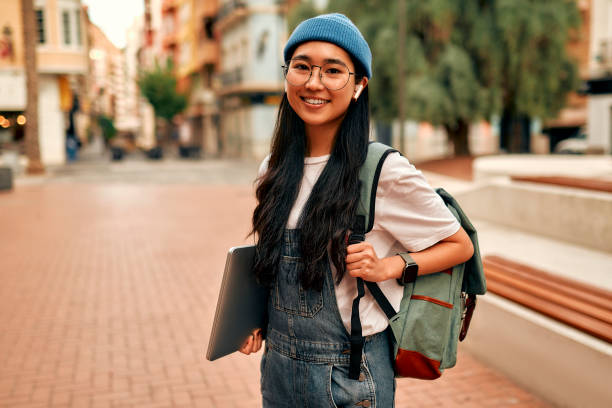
(362, 262)
(252, 343)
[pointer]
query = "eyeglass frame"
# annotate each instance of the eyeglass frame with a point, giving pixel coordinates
(286, 69)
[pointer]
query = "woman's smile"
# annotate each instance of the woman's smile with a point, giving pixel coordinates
(314, 102)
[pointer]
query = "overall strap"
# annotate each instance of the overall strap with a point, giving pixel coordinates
(364, 221)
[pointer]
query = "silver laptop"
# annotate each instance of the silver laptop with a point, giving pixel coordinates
(241, 307)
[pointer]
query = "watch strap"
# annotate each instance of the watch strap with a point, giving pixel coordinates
(406, 257)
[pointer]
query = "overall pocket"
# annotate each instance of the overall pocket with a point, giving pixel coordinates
(289, 296)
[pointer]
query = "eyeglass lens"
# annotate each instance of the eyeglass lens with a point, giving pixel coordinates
(333, 76)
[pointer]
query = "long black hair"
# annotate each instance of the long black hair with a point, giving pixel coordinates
(330, 210)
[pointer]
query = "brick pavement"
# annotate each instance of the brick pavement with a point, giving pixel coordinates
(107, 296)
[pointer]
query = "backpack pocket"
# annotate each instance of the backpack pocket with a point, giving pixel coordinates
(421, 330)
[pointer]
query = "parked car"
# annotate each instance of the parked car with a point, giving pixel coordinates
(573, 145)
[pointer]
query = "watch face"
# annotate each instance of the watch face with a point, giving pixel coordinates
(410, 273)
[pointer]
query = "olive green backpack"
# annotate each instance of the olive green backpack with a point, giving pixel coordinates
(435, 310)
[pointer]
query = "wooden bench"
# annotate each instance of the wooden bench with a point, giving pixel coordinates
(576, 182)
(582, 306)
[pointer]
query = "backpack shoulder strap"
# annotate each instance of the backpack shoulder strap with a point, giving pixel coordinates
(368, 175)
(363, 223)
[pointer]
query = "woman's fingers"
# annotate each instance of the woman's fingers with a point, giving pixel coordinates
(253, 343)
(356, 257)
(246, 347)
(353, 248)
(362, 262)
(258, 341)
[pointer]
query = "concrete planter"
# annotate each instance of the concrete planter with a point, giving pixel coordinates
(6, 178)
(155, 153)
(116, 153)
(190, 152)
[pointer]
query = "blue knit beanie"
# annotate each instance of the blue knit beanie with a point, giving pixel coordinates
(334, 28)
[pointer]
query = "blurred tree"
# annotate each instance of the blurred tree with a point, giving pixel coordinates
(158, 86)
(450, 71)
(304, 10)
(32, 146)
(452, 78)
(467, 60)
(536, 71)
(107, 125)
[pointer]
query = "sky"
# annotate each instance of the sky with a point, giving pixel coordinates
(114, 17)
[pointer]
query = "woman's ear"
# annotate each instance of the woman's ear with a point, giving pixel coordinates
(359, 88)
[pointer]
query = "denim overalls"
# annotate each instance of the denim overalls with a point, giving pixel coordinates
(307, 350)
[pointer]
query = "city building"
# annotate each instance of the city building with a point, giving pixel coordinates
(169, 30)
(572, 120)
(143, 48)
(107, 80)
(62, 65)
(200, 127)
(197, 60)
(250, 82)
(135, 40)
(599, 84)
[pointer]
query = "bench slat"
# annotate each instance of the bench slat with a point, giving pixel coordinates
(576, 304)
(587, 324)
(549, 295)
(579, 290)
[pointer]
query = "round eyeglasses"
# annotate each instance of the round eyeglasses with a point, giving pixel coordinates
(333, 75)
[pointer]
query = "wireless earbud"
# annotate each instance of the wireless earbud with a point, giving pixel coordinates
(358, 91)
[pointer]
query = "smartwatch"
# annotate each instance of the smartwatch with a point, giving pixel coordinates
(411, 269)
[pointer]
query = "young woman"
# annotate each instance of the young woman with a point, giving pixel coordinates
(307, 194)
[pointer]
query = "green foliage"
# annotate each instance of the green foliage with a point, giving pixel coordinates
(158, 86)
(468, 59)
(107, 126)
(536, 71)
(303, 11)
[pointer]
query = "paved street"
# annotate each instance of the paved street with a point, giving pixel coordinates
(109, 277)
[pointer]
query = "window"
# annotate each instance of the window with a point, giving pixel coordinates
(185, 13)
(40, 26)
(185, 53)
(66, 27)
(77, 16)
(208, 28)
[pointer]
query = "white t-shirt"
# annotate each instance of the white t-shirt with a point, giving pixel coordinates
(409, 216)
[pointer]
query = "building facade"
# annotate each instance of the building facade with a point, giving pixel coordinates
(107, 80)
(62, 65)
(572, 119)
(169, 31)
(250, 82)
(197, 64)
(144, 47)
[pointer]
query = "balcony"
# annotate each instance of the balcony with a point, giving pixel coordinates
(229, 7)
(231, 78)
(169, 41)
(208, 53)
(169, 5)
(208, 8)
